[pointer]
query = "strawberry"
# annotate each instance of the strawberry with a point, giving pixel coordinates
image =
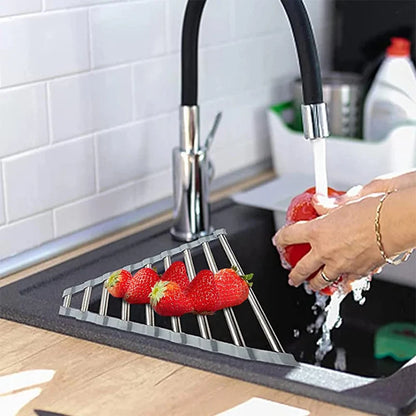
(332, 288)
(232, 288)
(301, 209)
(177, 273)
(168, 299)
(141, 285)
(203, 293)
(118, 282)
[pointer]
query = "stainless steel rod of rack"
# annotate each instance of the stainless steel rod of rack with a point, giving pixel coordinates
(86, 298)
(125, 310)
(175, 321)
(150, 313)
(258, 310)
(202, 320)
(104, 301)
(230, 318)
(67, 301)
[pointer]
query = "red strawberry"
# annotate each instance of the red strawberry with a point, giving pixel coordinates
(232, 288)
(141, 285)
(176, 272)
(203, 293)
(301, 209)
(118, 282)
(332, 288)
(168, 299)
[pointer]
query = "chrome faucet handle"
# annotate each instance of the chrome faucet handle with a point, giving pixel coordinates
(211, 134)
(208, 144)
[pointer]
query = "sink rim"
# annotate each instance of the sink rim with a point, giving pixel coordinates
(391, 395)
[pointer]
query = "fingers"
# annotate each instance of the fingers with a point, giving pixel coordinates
(353, 193)
(321, 279)
(304, 268)
(296, 233)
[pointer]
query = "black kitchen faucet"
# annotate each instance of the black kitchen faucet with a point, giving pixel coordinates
(192, 170)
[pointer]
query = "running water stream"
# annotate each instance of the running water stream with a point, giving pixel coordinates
(319, 160)
(329, 316)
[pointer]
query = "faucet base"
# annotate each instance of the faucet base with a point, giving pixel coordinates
(189, 236)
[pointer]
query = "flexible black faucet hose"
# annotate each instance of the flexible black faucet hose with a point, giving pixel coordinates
(305, 45)
(306, 49)
(190, 34)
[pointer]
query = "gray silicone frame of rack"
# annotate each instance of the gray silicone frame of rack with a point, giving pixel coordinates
(204, 341)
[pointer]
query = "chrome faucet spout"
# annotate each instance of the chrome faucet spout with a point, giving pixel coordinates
(192, 169)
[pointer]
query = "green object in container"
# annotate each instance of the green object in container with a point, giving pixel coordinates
(296, 123)
(396, 340)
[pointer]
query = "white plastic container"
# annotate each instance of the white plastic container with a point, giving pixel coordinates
(349, 161)
(391, 100)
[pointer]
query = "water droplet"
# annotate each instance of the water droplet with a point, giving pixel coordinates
(308, 289)
(310, 329)
(340, 360)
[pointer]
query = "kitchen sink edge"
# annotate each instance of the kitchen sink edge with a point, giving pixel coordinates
(24, 301)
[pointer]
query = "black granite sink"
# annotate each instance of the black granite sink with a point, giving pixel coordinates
(377, 386)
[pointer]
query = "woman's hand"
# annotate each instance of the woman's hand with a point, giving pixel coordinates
(380, 184)
(342, 243)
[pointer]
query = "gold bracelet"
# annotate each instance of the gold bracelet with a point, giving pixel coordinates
(402, 257)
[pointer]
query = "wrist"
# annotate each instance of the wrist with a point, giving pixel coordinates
(394, 229)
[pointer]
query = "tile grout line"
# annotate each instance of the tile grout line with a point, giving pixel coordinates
(48, 113)
(5, 207)
(90, 43)
(167, 28)
(43, 9)
(130, 123)
(54, 223)
(232, 19)
(118, 65)
(133, 94)
(96, 164)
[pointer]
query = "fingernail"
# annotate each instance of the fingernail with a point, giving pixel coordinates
(273, 241)
(354, 191)
(291, 283)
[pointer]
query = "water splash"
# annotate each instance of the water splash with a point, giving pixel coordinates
(340, 363)
(329, 316)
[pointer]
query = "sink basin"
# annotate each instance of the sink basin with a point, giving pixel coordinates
(381, 386)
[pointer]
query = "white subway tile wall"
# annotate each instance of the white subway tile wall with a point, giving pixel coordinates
(43, 45)
(23, 119)
(49, 177)
(127, 32)
(89, 97)
(2, 213)
(154, 79)
(89, 102)
(15, 7)
(28, 233)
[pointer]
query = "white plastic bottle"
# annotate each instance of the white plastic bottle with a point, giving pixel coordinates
(391, 100)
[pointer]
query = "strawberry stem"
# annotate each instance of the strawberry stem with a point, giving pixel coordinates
(113, 279)
(158, 292)
(247, 278)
